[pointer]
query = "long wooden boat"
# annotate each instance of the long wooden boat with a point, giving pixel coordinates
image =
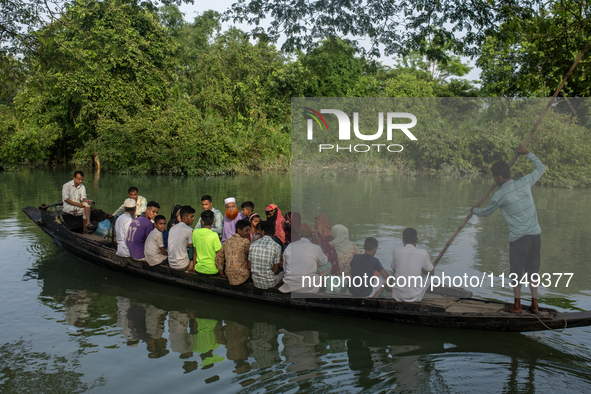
(453, 308)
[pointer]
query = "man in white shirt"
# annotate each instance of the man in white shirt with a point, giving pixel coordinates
(411, 264)
(74, 198)
(122, 225)
(300, 262)
(141, 203)
(180, 237)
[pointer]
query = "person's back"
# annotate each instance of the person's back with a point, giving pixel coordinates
(179, 238)
(363, 269)
(234, 254)
(411, 263)
(301, 260)
(139, 229)
(122, 226)
(264, 258)
(206, 243)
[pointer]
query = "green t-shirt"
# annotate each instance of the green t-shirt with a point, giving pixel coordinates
(206, 243)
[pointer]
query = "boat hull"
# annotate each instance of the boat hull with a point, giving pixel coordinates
(424, 313)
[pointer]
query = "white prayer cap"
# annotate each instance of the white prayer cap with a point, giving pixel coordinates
(129, 203)
(229, 199)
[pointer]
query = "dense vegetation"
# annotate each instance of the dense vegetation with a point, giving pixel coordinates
(133, 87)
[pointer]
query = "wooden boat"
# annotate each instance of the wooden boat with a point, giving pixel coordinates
(448, 307)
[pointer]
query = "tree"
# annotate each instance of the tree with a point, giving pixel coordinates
(107, 60)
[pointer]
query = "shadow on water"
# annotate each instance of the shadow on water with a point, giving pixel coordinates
(259, 347)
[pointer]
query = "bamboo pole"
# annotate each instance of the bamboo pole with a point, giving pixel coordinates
(517, 155)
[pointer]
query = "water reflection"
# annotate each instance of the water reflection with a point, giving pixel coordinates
(261, 348)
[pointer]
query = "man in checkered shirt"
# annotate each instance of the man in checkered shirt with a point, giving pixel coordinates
(264, 258)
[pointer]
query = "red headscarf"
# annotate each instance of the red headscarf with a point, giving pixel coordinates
(279, 222)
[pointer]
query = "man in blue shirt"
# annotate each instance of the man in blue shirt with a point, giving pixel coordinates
(517, 206)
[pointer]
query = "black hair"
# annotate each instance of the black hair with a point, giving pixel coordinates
(132, 189)
(267, 226)
(186, 210)
(153, 204)
(254, 215)
(207, 197)
(159, 217)
(207, 218)
(130, 209)
(247, 204)
(78, 172)
(241, 224)
(501, 168)
(370, 244)
(173, 220)
(409, 235)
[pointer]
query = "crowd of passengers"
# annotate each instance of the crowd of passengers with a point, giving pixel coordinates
(239, 245)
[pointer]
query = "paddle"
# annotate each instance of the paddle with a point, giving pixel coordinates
(517, 155)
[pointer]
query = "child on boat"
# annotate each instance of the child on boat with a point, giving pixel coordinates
(363, 269)
(410, 265)
(154, 249)
(247, 209)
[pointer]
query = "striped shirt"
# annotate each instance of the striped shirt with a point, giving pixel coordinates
(263, 255)
(517, 204)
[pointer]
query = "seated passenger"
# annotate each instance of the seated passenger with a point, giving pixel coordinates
(254, 220)
(206, 243)
(274, 215)
(234, 254)
(231, 217)
(180, 237)
(175, 218)
(141, 203)
(218, 218)
(363, 267)
(122, 225)
(76, 204)
(154, 249)
(264, 258)
(139, 230)
(247, 209)
(410, 263)
(301, 259)
(293, 221)
(344, 249)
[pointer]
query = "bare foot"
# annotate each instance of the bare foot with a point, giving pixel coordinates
(512, 309)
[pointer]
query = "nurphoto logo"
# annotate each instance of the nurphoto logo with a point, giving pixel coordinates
(315, 117)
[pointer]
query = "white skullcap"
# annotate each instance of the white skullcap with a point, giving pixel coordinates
(130, 203)
(229, 199)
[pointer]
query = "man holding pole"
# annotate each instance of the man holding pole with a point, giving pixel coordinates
(517, 206)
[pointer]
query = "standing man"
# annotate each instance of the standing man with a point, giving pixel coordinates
(141, 203)
(122, 226)
(218, 219)
(517, 206)
(231, 217)
(74, 199)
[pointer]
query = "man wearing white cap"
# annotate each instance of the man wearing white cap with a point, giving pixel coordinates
(230, 218)
(122, 225)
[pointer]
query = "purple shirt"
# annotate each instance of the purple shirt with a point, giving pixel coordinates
(230, 227)
(138, 231)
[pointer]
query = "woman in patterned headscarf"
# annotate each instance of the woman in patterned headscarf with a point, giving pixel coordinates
(293, 221)
(322, 236)
(345, 249)
(274, 215)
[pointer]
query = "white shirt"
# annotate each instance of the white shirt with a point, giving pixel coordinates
(409, 261)
(179, 237)
(121, 227)
(141, 206)
(71, 192)
(152, 248)
(300, 261)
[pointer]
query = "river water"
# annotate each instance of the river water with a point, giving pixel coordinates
(71, 327)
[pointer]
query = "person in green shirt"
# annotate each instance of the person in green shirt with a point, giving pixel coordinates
(206, 244)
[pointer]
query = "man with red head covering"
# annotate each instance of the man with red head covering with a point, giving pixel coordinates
(274, 215)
